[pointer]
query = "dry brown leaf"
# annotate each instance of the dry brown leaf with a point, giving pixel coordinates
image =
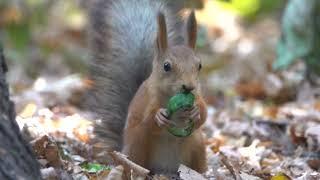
(299, 140)
(214, 144)
(317, 105)
(39, 145)
(250, 89)
(314, 163)
(44, 147)
(10, 15)
(81, 133)
(271, 112)
(52, 155)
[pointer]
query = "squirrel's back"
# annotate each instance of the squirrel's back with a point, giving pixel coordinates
(122, 37)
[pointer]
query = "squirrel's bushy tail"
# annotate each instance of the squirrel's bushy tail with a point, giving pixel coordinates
(122, 36)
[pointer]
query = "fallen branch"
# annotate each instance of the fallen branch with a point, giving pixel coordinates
(128, 164)
(224, 160)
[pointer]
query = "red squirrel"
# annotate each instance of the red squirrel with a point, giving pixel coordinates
(143, 54)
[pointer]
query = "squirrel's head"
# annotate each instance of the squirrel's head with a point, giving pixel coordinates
(176, 68)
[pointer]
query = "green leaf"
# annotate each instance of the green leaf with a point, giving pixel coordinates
(94, 167)
(247, 7)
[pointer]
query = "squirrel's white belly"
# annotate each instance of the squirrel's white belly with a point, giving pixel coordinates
(167, 160)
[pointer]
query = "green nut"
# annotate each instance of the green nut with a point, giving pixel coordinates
(181, 101)
(182, 132)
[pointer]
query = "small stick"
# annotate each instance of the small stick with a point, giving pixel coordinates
(128, 164)
(225, 161)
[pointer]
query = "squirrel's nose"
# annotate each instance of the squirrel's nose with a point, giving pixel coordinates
(187, 88)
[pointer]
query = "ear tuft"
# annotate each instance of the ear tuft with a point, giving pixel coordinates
(162, 42)
(192, 30)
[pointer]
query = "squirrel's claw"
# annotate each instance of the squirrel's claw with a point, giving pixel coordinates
(195, 116)
(195, 113)
(192, 113)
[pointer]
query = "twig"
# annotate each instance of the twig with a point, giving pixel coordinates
(224, 160)
(128, 164)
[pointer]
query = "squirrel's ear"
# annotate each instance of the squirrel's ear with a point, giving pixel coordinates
(162, 42)
(192, 30)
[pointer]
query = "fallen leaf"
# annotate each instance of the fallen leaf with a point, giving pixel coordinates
(45, 147)
(271, 112)
(49, 173)
(93, 167)
(251, 89)
(313, 138)
(246, 176)
(314, 163)
(214, 144)
(252, 153)
(280, 176)
(52, 155)
(29, 110)
(189, 174)
(317, 105)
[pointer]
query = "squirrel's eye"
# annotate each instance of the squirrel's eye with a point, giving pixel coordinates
(200, 66)
(167, 66)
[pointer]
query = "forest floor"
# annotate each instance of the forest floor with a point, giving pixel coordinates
(248, 139)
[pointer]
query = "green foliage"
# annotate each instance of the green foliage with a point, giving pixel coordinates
(26, 20)
(19, 35)
(246, 7)
(36, 31)
(94, 167)
(300, 35)
(251, 8)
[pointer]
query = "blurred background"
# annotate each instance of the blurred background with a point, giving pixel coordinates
(237, 41)
(252, 67)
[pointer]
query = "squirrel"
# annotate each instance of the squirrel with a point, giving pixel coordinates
(143, 54)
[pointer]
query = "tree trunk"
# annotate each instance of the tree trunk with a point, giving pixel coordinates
(16, 157)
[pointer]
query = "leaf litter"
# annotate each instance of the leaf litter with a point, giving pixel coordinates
(247, 141)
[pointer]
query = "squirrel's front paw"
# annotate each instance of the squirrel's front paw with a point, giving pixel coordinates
(195, 113)
(161, 118)
(192, 113)
(195, 116)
